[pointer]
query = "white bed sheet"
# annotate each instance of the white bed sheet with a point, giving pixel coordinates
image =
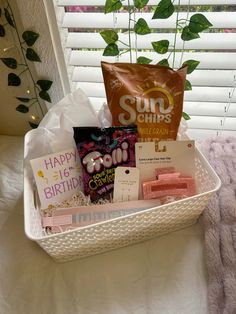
(164, 275)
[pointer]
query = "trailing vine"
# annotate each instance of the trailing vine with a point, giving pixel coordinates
(189, 30)
(25, 41)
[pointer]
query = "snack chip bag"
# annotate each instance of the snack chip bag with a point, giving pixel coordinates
(149, 96)
(101, 151)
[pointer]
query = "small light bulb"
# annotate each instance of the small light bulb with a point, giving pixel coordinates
(33, 117)
(8, 48)
(28, 91)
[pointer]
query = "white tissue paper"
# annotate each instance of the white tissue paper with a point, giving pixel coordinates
(55, 131)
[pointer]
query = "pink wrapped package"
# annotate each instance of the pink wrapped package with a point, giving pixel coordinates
(101, 151)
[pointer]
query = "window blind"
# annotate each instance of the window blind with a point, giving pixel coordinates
(212, 101)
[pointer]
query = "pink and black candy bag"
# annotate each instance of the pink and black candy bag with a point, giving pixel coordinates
(101, 151)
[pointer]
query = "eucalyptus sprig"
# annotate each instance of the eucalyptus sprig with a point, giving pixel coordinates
(26, 42)
(189, 30)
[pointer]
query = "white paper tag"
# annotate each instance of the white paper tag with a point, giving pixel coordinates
(58, 176)
(126, 184)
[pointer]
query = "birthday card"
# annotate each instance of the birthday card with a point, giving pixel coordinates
(58, 176)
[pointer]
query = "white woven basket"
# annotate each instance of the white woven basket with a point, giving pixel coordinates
(119, 232)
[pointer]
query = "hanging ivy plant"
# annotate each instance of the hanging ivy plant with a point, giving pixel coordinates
(41, 86)
(164, 9)
(141, 27)
(161, 46)
(30, 37)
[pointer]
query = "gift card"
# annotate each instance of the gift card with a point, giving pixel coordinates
(58, 176)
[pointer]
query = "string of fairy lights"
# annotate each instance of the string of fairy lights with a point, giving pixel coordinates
(31, 103)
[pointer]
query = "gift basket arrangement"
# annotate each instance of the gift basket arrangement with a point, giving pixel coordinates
(96, 182)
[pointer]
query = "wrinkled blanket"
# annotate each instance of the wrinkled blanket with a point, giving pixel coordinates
(165, 275)
(219, 220)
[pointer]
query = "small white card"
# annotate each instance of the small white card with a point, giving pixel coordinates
(126, 184)
(58, 176)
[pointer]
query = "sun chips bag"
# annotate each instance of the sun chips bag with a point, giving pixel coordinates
(149, 96)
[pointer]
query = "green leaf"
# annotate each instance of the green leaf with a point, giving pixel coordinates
(23, 99)
(32, 55)
(10, 62)
(2, 31)
(186, 116)
(192, 64)
(112, 5)
(44, 95)
(164, 62)
(44, 84)
(188, 85)
(139, 4)
(33, 125)
(22, 108)
(164, 10)
(30, 37)
(160, 46)
(188, 35)
(111, 50)
(143, 60)
(141, 27)
(109, 36)
(13, 79)
(9, 18)
(198, 23)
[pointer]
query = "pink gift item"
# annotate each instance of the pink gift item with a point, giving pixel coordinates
(159, 171)
(69, 218)
(169, 184)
